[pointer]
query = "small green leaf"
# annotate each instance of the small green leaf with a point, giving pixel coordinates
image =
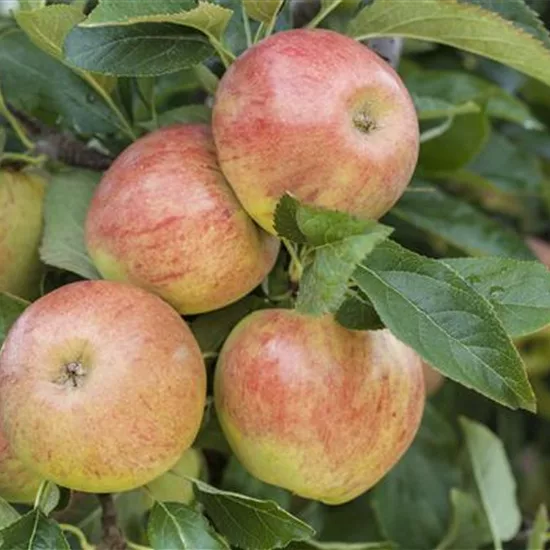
(461, 25)
(519, 291)
(420, 483)
(431, 308)
(316, 545)
(358, 313)
(428, 108)
(179, 527)
(457, 146)
(262, 10)
(209, 18)
(538, 536)
(33, 531)
(3, 138)
(8, 514)
(468, 527)
(338, 242)
(67, 199)
(457, 223)
(249, 523)
(494, 480)
(146, 49)
(47, 498)
(11, 308)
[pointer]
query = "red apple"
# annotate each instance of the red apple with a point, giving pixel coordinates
(315, 408)
(21, 202)
(102, 387)
(17, 482)
(319, 115)
(164, 218)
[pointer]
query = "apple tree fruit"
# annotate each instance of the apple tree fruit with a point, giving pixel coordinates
(274, 274)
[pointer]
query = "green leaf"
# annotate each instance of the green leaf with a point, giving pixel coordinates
(209, 18)
(538, 537)
(212, 329)
(431, 308)
(177, 526)
(461, 25)
(518, 291)
(8, 514)
(460, 90)
(185, 114)
(238, 480)
(250, 523)
(10, 309)
(262, 10)
(47, 498)
(48, 27)
(457, 223)
(34, 81)
(146, 49)
(468, 527)
(457, 146)
(316, 545)
(358, 313)
(33, 531)
(338, 242)
(420, 483)
(3, 138)
(494, 480)
(67, 199)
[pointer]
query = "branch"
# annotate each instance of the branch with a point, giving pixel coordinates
(388, 49)
(61, 146)
(113, 538)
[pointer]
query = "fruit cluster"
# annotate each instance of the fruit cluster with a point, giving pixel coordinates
(102, 383)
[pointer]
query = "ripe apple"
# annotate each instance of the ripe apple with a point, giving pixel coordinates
(319, 115)
(315, 408)
(164, 218)
(21, 201)
(17, 482)
(102, 387)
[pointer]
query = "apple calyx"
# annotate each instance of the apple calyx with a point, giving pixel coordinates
(72, 374)
(364, 122)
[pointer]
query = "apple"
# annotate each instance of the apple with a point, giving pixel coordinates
(102, 387)
(319, 115)
(165, 219)
(21, 203)
(17, 482)
(315, 408)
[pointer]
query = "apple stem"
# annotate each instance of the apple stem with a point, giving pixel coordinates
(112, 539)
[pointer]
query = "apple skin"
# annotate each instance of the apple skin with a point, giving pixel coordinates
(319, 115)
(165, 219)
(433, 379)
(315, 408)
(133, 403)
(18, 484)
(21, 205)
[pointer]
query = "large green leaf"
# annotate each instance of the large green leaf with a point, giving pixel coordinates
(178, 527)
(48, 497)
(458, 223)
(262, 10)
(33, 531)
(67, 199)
(337, 243)
(431, 308)
(494, 480)
(145, 49)
(249, 523)
(429, 107)
(10, 309)
(459, 24)
(519, 291)
(34, 81)
(420, 483)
